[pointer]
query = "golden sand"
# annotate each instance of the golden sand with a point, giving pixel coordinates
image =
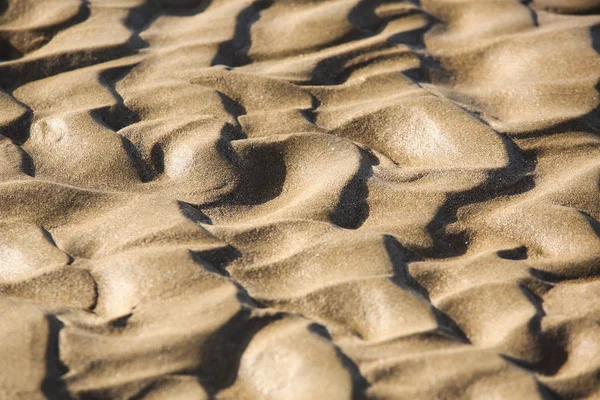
(343, 199)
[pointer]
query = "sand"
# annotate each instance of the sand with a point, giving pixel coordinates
(343, 199)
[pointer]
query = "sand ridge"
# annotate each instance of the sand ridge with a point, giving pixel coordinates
(299, 199)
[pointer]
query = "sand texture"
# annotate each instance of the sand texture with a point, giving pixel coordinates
(299, 199)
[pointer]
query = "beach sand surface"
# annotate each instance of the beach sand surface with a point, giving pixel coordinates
(299, 199)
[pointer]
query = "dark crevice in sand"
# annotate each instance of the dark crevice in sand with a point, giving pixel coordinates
(544, 390)
(16, 44)
(50, 239)
(446, 325)
(219, 372)
(414, 39)
(218, 258)
(16, 75)
(119, 323)
(535, 323)
(330, 70)
(335, 70)
(400, 257)
(261, 173)
(352, 209)
(139, 19)
(359, 382)
(184, 8)
(228, 134)
(366, 24)
(234, 53)
(514, 179)
(8, 51)
(120, 116)
(233, 108)
(589, 122)
(311, 113)
(18, 130)
(192, 213)
(534, 16)
(548, 277)
(217, 261)
(547, 393)
(53, 387)
(554, 353)
(27, 164)
(262, 176)
(364, 18)
(96, 290)
(145, 170)
(13, 75)
(157, 159)
(594, 224)
(517, 253)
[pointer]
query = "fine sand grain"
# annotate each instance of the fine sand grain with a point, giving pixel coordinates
(299, 199)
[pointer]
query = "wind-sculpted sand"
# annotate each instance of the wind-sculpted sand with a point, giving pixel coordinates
(344, 199)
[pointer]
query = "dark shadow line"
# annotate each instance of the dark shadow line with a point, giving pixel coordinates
(217, 259)
(335, 71)
(514, 179)
(53, 387)
(184, 9)
(219, 372)
(27, 164)
(38, 37)
(235, 109)
(192, 213)
(48, 236)
(15, 75)
(120, 116)
(234, 52)
(261, 173)
(311, 113)
(359, 382)
(532, 12)
(19, 129)
(400, 257)
(352, 208)
(364, 19)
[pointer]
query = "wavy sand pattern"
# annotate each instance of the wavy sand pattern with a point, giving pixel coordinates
(255, 199)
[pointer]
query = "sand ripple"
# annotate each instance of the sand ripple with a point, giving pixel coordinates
(258, 199)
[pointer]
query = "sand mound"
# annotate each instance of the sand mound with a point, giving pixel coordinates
(260, 199)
